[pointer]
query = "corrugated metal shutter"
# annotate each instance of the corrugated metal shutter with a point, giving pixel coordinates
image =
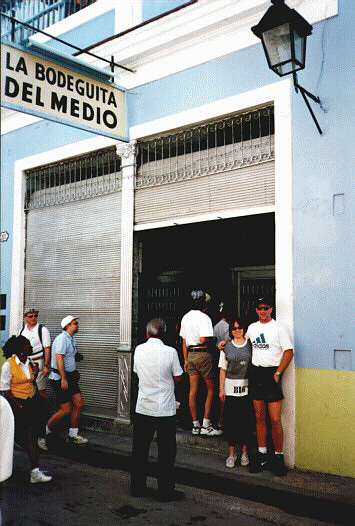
(73, 267)
(251, 186)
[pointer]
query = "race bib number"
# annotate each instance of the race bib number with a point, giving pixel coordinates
(236, 387)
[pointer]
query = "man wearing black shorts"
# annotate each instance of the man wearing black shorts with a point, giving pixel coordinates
(272, 353)
(64, 379)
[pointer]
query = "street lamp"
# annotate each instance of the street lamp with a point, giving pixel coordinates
(283, 33)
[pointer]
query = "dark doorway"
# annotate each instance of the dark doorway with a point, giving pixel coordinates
(231, 259)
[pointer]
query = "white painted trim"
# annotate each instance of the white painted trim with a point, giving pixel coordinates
(183, 39)
(215, 216)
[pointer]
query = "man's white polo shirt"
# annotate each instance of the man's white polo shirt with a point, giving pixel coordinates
(33, 336)
(195, 325)
(155, 364)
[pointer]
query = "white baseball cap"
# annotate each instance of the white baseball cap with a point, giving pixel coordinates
(68, 319)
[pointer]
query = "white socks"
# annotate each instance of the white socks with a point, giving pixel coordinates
(206, 422)
(48, 430)
(73, 431)
(196, 423)
(262, 449)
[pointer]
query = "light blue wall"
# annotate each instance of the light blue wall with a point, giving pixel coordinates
(152, 8)
(321, 168)
(94, 31)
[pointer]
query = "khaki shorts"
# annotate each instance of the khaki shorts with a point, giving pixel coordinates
(200, 363)
(40, 380)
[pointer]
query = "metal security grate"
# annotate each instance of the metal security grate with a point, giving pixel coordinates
(86, 176)
(234, 142)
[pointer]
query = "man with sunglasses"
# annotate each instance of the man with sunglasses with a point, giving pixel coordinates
(272, 353)
(64, 379)
(40, 340)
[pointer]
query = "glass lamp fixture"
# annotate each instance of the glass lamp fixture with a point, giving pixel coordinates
(283, 33)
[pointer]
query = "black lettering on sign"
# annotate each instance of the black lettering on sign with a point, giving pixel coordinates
(59, 104)
(11, 87)
(88, 112)
(20, 66)
(38, 97)
(27, 92)
(109, 119)
(74, 107)
(39, 71)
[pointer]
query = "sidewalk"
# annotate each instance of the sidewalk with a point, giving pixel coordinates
(200, 462)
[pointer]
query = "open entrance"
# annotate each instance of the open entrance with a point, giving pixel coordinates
(233, 260)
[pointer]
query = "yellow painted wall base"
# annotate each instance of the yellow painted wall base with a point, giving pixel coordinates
(325, 421)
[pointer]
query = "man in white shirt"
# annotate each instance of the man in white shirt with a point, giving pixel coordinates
(158, 369)
(196, 331)
(40, 340)
(272, 353)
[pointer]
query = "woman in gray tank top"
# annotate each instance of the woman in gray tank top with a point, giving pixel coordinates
(234, 362)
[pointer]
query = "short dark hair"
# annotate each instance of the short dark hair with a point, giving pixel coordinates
(15, 345)
(156, 328)
(241, 322)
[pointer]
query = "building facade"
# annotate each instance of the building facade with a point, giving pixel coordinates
(225, 183)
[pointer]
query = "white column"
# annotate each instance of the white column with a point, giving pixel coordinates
(127, 153)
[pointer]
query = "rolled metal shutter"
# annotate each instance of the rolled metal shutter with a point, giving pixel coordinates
(247, 187)
(73, 267)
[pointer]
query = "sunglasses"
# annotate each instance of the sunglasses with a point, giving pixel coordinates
(31, 315)
(236, 328)
(263, 308)
(75, 323)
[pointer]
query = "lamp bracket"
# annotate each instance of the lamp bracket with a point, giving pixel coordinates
(305, 93)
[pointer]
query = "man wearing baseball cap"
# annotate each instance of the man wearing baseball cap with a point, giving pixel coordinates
(40, 340)
(64, 378)
(272, 353)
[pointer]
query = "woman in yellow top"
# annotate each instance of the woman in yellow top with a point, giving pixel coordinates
(30, 410)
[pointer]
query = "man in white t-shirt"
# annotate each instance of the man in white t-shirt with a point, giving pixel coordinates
(196, 330)
(40, 340)
(158, 369)
(272, 353)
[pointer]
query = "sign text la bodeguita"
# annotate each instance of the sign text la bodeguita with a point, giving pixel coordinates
(45, 89)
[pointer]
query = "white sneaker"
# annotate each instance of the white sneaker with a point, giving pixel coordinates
(77, 440)
(42, 444)
(244, 461)
(39, 476)
(210, 431)
(196, 430)
(230, 462)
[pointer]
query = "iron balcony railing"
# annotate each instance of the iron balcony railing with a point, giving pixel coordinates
(37, 13)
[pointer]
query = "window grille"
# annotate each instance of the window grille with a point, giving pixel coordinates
(78, 178)
(228, 144)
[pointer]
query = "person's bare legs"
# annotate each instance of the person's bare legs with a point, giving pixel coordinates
(209, 398)
(32, 449)
(260, 417)
(193, 395)
(65, 410)
(77, 406)
(276, 425)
